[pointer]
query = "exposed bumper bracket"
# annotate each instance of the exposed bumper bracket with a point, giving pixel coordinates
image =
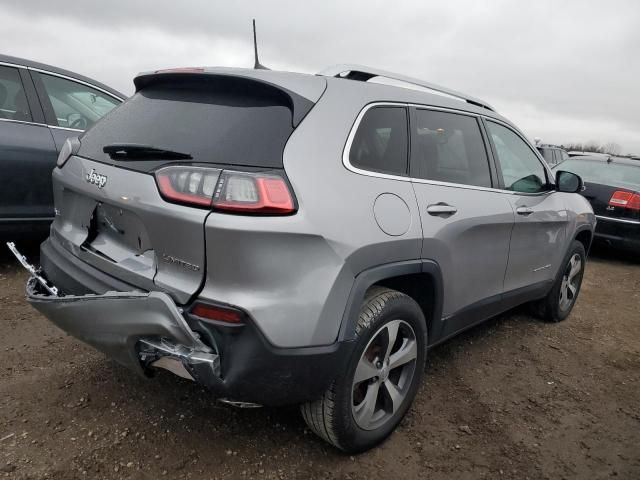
(35, 273)
(185, 362)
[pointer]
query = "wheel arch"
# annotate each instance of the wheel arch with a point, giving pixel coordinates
(584, 235)
(419, 279)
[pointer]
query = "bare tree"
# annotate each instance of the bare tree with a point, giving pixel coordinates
(612, 148)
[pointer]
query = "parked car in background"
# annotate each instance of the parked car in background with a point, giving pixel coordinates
(40, 107)
(612, 186)
(552, 154)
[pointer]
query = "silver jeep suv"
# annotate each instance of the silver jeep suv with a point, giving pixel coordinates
(283, 238)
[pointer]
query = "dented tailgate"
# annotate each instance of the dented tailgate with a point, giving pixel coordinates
(115, 220)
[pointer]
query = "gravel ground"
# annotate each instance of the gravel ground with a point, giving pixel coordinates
(512, 398)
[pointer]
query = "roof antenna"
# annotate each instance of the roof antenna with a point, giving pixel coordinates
(257, 65)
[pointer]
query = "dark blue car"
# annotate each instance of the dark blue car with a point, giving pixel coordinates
(40, 107)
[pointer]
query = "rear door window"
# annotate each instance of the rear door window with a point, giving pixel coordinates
(381, 143)
(448, 147)
(13, 101)
(74, 104)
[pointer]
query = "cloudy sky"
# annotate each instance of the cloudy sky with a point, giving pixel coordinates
(563, 71)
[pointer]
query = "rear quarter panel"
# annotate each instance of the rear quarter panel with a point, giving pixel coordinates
(294, 274)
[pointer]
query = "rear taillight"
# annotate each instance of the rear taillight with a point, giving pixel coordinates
(226, 190)
(624, 199)
(188, 185)
(253, 193)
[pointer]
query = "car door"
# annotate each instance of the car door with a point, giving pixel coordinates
(466, 223)
(71, 106)
(27, 151)
(540, 223)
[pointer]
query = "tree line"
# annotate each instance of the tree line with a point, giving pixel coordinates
(610, 148)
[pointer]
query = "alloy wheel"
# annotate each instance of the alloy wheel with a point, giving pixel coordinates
(384, 374)
(570, 282)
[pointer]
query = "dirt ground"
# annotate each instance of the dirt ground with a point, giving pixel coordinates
(513, 398)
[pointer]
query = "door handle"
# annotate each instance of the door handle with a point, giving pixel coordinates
(524, 210)
(441, 209)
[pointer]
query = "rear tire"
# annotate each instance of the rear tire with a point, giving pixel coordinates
(366, 401)
(559, 302)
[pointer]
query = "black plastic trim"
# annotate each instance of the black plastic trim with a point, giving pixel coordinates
(487, 308)
(370, 277)
(37, 115)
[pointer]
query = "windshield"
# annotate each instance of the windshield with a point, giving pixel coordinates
(614, 174)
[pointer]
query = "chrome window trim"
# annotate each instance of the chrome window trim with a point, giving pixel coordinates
(619, 220)
(55, 127)
(11, 120)
(7, 64)
(72, 79)
(26, 219)
(347, 148)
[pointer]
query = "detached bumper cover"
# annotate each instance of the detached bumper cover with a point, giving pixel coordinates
(142, 330)
(246, 368)
(115, 322)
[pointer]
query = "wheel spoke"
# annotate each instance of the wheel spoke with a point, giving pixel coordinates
(407, 352)
(572, 289)
(576, 266)
(394, 395)
(392, 334)
(364, 371)
(365, 410)
(563, 292)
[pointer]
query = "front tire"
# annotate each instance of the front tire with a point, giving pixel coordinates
(370, 397)
(559, 302)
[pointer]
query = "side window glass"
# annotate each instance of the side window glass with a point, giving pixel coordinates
(13, 101)
(381, 141)
(521, 169)
(449, 148)
(74, 104)
(565, 156)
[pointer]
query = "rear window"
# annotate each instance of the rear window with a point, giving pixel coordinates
(217, 120)
(614, 174)
(381, 143)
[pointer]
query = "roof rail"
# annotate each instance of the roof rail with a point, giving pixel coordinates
(362, 73)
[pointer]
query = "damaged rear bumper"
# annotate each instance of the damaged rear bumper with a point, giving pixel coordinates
(146, 330)
(136, 329)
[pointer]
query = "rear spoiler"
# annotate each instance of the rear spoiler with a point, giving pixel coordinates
(301, 92)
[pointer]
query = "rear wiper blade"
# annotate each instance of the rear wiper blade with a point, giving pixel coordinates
(136, 151)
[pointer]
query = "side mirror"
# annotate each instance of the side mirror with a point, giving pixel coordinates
(569, 182)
